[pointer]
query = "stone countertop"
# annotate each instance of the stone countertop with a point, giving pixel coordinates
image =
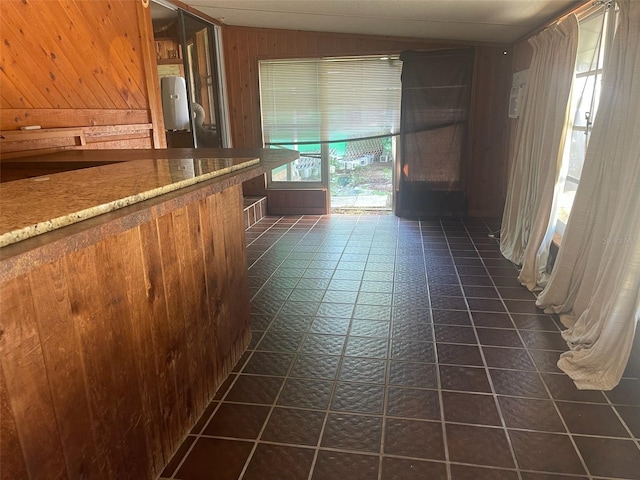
(34, 206)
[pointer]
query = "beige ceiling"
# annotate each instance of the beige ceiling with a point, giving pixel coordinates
(470, 20)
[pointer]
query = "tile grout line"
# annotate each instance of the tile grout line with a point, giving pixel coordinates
(548, 391)
(387, 373)
(331, 395)
(286, 377)
(624, 423)
(436, 358)
(484, 360)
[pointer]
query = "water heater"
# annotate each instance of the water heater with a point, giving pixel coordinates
(174, 103)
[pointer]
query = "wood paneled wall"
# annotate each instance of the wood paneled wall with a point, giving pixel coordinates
(109, 354)
(522, 56)
(74, 63)
(244, 46)
(489, 133)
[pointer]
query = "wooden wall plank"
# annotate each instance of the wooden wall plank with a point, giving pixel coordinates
(79, 41)
(111, 265)
(24, 370)
(11, 119)
(236, 257)
(11, 96)
(150, 69)
(205, 329)
(176, 313)
(189, 293)
(125, 67)
(144, 316)
(52, 308)
(12, 465)
(244, 87)
(212, 250)
(487, 171)
(164, 337)
(221, 293)
(253, 86)
(96, 348)
(233, 67)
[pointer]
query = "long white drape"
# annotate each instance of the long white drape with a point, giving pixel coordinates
(529, 209)
(595, 283)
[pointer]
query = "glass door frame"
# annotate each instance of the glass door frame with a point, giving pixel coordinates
(216, 63)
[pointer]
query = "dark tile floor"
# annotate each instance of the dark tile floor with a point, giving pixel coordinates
(392, 349)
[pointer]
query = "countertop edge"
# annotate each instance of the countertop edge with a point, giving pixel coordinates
(18, 258)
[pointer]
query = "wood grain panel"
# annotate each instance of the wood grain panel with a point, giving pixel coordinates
(202, 339)
(19, 143)
(487, 170)
(111, 268)
(236, 258)
(183, 409)
(215, 270)
(24, 370)
(92, 314)
(522, 56)
(150, 74)
(298, 202)
(65, 371)
(72, 63)
(245, 46)
(193, 315)
(144, 317)
(165, 339)
(221, 307)
(12, 465)
(110, 353)
(14, 118)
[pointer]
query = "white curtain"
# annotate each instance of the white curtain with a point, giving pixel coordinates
(595, 283)
(529, 213)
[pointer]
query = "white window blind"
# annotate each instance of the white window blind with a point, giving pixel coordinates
(329, 99)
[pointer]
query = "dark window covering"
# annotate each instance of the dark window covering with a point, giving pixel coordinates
(436, 92)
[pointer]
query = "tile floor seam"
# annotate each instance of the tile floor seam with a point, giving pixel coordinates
(437, 367)
(385, 391)
(328, 409)
(633, 437)
(266, 420)
(548, 391)
(186, 455)
(516, 463)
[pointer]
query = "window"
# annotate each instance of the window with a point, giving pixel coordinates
(335, 112)
(596, 33)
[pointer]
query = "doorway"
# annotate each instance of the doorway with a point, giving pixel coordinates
(361, 175)
(188, 68)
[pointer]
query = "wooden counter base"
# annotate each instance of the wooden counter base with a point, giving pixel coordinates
(111, 350)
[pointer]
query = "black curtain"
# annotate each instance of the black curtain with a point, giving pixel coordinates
(436, 93)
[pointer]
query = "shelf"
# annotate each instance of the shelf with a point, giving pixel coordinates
(169, 61)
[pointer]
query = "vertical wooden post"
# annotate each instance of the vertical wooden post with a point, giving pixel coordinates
(150, 67)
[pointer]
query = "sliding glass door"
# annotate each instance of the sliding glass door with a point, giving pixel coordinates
(188, 55)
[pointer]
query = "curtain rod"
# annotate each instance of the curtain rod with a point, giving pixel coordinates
(585, 6)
